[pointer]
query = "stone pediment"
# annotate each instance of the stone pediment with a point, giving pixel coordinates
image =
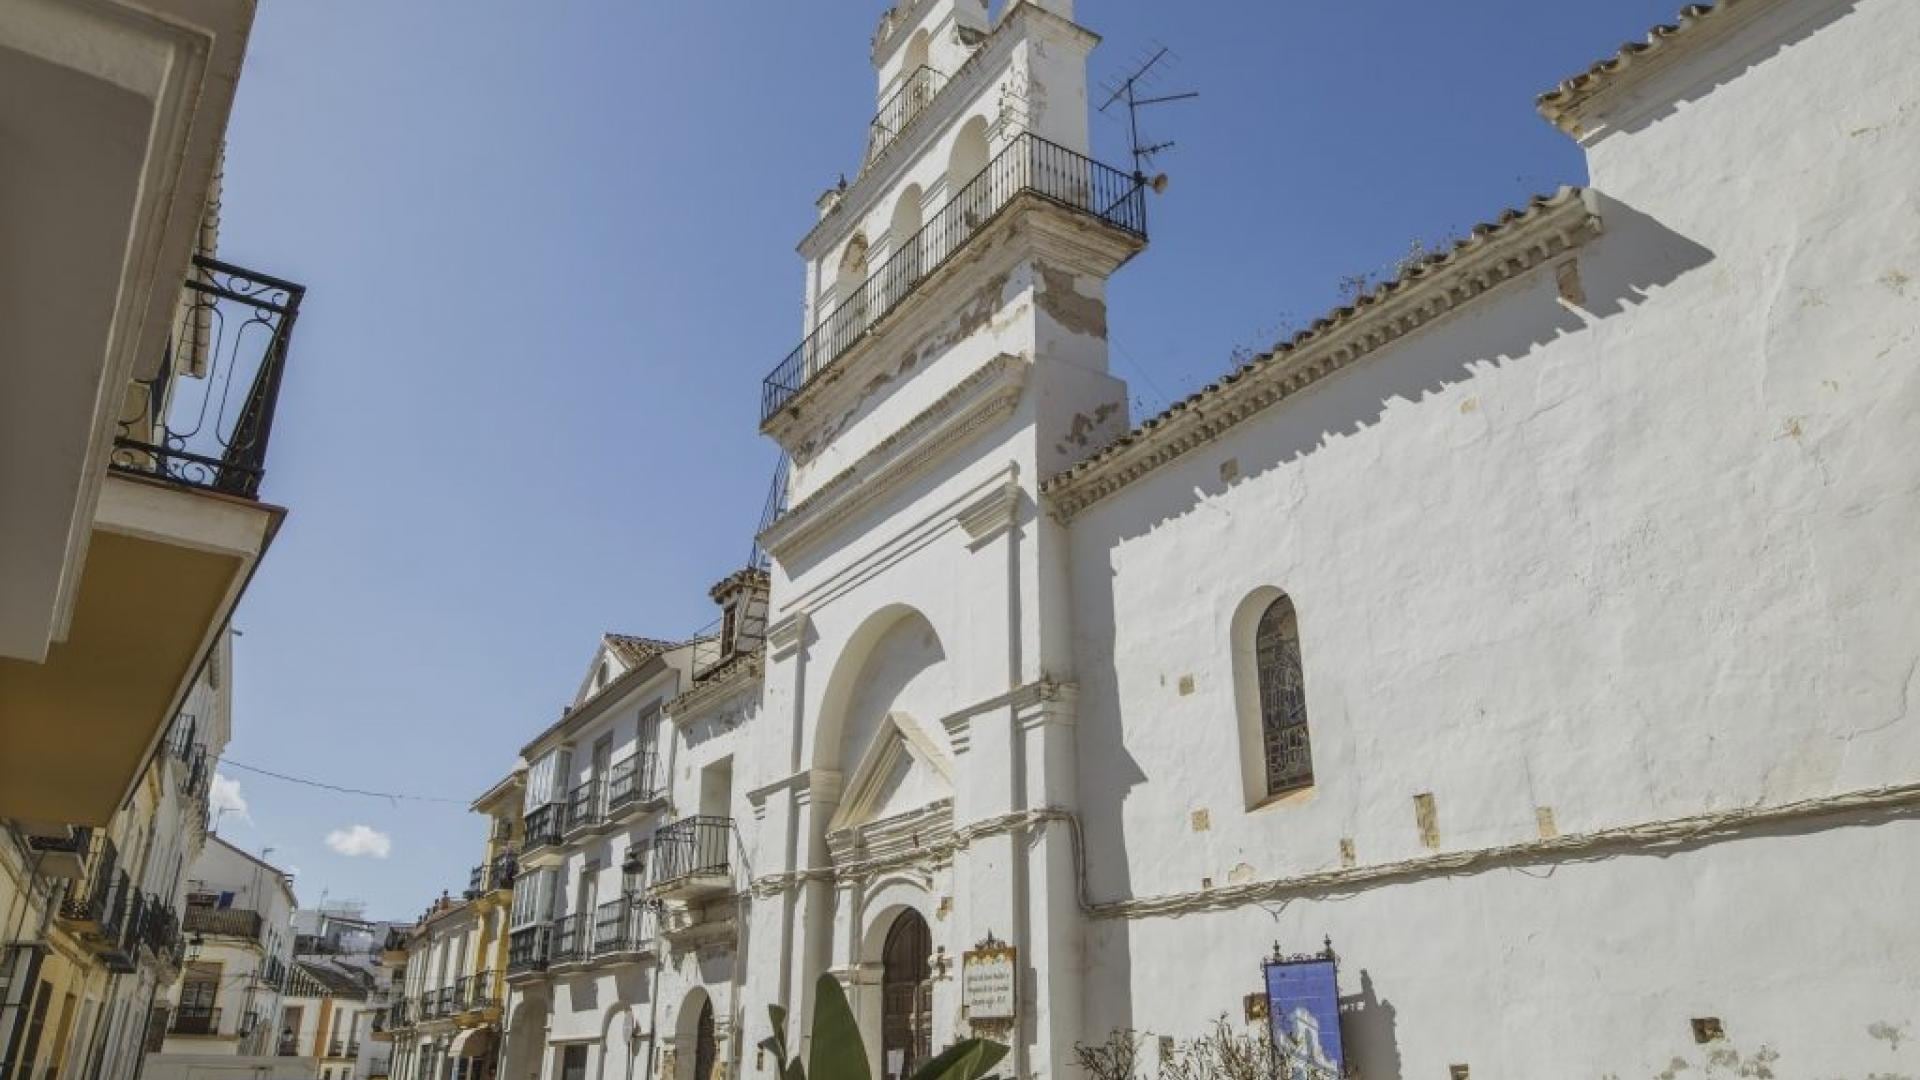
(901, 760)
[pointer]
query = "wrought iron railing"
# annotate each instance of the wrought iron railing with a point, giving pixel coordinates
(489, 876)
(631, 781)
(572, 937)
(204, 419)
(482, 991)
(586, 804)
(87, 900)
(161, 932)
(692, 847)
(448, 1001)
(619, 926)
(544, 825)
(195, 1020)
(528, 949)
(222, 922)
(1030, 165)
(908, 101)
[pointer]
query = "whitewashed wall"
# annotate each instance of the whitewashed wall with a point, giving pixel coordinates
(1640, 561)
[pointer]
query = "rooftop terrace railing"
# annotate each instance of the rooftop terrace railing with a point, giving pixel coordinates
(908, 101)
(1029, 165)
(203, 421)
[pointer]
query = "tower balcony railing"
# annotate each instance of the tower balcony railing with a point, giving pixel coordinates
(1029, 165)
(631, 782)
(906, 103)
(204, 419)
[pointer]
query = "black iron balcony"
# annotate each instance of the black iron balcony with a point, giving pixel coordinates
(195, 1020)
(1030, 165)
(543, 826)
(572, 938)
(353, 1049)
(63, 856)
(631, 782)
(204, 420)
(691, 855)
(446, 1001)
(620, 928)
(336, 1047)
(482, 991)
(528, 949)
(88, 899)
(915, 92)
(161, 933)
(222, 922)
(492, 876)
(119, 948)
(586, 805)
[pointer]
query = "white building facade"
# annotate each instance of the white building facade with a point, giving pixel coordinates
(1538, 630)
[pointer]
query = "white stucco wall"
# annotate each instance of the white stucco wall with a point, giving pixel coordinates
(1635, 561)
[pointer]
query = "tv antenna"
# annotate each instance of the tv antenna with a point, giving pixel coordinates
(1128, 90)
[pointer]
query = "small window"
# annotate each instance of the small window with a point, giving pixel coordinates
(1270, 700)
(1283, 699)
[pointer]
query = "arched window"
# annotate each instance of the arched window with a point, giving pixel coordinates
(906, 1002)
(849, 319)
(903, 234)
(1285, 753)
(966, 161)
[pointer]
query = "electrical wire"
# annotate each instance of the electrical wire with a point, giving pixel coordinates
(392, 796)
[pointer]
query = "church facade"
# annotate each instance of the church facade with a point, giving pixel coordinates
(1532, 639)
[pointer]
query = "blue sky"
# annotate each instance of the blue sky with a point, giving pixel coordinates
(549, 253)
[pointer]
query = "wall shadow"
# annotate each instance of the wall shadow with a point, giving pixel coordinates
(1367, 1031)
(1633, 258)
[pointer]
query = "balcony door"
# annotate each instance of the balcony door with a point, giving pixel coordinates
(573, 1062)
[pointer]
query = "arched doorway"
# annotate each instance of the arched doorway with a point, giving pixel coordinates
(906, 997)
(705, 1050)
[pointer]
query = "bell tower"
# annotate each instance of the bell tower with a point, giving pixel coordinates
(953, 356)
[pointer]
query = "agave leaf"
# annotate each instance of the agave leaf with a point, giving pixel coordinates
(776, 1044)
(967, 1059)
(836, 1053)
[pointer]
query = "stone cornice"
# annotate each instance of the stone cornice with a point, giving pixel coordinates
(1495, 254)
(984, 398)
(1580, 103)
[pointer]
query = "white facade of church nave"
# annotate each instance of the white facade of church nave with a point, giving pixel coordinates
(1599, 535)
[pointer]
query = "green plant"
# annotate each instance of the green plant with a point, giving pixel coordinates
(835, 1051)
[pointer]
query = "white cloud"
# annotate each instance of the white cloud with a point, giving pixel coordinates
(225, 795)
(357, 840)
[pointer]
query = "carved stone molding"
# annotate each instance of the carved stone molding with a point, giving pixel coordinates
(976, 403)
(1495, 255)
